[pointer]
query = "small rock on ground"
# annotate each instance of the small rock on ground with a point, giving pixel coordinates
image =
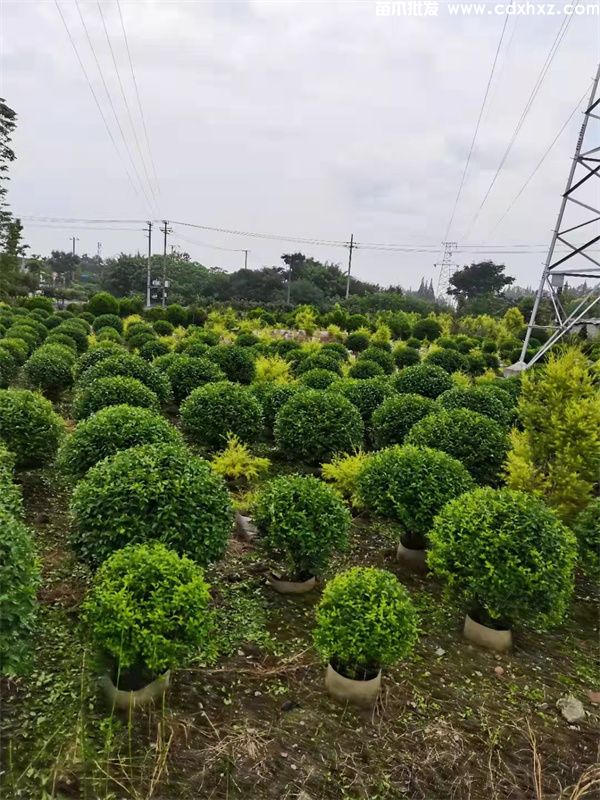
(571, 708)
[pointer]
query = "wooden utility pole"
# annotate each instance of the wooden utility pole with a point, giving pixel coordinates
(149, 270)
(351, 248)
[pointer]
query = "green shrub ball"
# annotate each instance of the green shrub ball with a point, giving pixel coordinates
(188, 373)
(449, 360)
(313, 426)
(367, 394)
(426, 379)
(50, 368)
(410, 485)
(505, 557)
(211, 412)
(302, 523)
(474, 439)
(483, 399)
(149, 609)
(357, 342)
(108, 321)
(272, 396)
(319, 360)
(115, 390)
(405, 356)
(318, 378)
(379, 356)
(152, 492)
(95, 354)
(236, 362)
(392, 421)
(19, 579)
(363, 369)
(587, 529)
(365, 620)
(112, 429)
(29, 427)
(132, 366)
(427, 329)
(8, 368)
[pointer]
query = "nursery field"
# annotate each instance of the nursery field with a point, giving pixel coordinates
(126, 459)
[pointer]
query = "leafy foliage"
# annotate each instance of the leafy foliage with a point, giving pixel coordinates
(318, 378)
(405, 356)
(366, 395)
(364, 368)
(365, 619)
(187, 373)
(392, 421)
(343, 472)
(215, 410)
(50, 369)
(483, 399)
(113, 391)
(236, 462)
(411, 485)
(112, 429)
(302, 523)
(149, 608)
(19, 580)
(380, 356)
(156, 491)
(505, 556)
(587, 530)
(426, 379)
(427, 328)
(474, 439)
(29, 426)
(448, 359)
(236, 362)
(131, 366)
(313, 426)
(557, 455)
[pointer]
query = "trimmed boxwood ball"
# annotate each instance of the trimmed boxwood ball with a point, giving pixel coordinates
(476, 363)
(103, 303)
(212, 411)
(426, 379)
(133, 366)
(194, 349)
(95, 354)
(29, 427)
(108, 321)
(367, 394)
(365, 620)
(187, 373)
(505, 557)
(319, 360)
(357, 342)
(392, 421)
(410, 485)
(302, 522)
(8, 368)
(162, 363)
(136, 328)
(114, 390)
(50, 368)
(313, 426)
(380, 356)
(112, 429)
(155, 492)
(72, 329)
(482, 399)
(318, 378)
(246, 340)
(149, 610)
(449, 360)
(364, 369)
(109, 335)
(475, 440)
(19, 579)
(236, 362)
(17, 348)
(163, 327)
(136, 342)
(25, 335)
(11, 498)
(429, 329)
(587, 530)
(337, 350)
(154, 348)
(63, 339)
(405, 356)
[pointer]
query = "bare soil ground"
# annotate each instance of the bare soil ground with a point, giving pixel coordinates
(453, 723)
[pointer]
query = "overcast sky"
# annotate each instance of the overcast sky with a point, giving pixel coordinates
(311, 119)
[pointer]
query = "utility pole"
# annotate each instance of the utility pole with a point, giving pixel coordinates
(99, 249)
(447, 268)
(245, 259)
(149, 271)
(164, 275)
(73, 240)
(289, 284)
(71, 272)
(351, 247)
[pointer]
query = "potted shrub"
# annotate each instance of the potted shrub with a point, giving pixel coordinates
(410, 485)
(301, 521)
(151, 492)
(507, 559)
(365, 620)
(477, 441)
(147, 612)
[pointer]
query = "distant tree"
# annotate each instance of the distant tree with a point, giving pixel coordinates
(65, 264)
(8, 123)
(484, 279)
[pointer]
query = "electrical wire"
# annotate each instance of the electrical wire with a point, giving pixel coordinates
(125, 101)
(99, 107)
(540, 162)
(479, 118)
(139, 101)
(112, 105)
(528, 105)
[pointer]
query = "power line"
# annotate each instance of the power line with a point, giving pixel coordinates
(139, 102)
(481, 110)
(541, 161)
(99, 107)
(206, 244)
(112, 105)
(534, 92)
(125, 101)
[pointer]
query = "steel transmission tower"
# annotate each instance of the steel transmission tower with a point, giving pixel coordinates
(447, 269)
(576, 228)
